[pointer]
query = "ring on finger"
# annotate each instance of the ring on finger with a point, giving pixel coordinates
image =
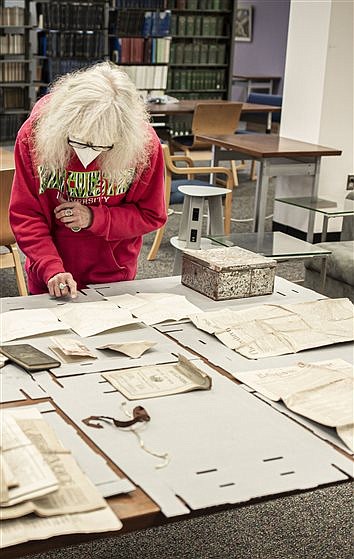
(62, 286)
(68, 212)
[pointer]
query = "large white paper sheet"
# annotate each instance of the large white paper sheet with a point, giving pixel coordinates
(153, 308)
(91, 318)
(24, 323)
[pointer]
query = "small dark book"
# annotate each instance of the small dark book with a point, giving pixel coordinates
(29, 357)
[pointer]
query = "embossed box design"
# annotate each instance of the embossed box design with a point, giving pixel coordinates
(228, 273)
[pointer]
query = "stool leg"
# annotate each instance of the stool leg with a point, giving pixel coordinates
(215, 213)
(191, 223)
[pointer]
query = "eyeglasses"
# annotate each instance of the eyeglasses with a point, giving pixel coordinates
(80, 145)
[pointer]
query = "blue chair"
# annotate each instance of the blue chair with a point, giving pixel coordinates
(260, 119)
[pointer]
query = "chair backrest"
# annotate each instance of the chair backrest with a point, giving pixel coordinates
(215, 118)
(264, 99)
(6, 234)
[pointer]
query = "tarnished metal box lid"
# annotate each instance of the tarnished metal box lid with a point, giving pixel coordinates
(229, 259)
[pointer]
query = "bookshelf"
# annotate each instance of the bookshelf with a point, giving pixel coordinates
(15, 67)
(201, 58)
(68, 35)
(139, 40)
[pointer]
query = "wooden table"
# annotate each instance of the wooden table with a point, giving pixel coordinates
(188, 107)
(277, 156)
(135, 509)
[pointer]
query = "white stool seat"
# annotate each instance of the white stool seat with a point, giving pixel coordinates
(205, 191)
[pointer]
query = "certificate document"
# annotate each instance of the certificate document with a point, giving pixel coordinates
(159, 380)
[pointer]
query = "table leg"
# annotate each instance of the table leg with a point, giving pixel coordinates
(269, 123)
(261, 198)
(323, 272)
(324, 228)
(314, 194)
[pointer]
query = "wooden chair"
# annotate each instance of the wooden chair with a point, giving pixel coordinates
(190, 170)
(210, 118)
(10, 259)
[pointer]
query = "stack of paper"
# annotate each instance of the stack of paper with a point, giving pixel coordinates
(40, 478)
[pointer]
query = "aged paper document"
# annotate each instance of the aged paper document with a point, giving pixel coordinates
(321, 391)
(74, 507)
(26, 472)
(132, 349)
(73, 493)
(153, 308)
(22, 323)
(159, 380)
(33, 528)
(270, 330)
(92, 318)
(71, 350)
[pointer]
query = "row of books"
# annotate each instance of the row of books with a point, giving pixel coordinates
(192, 25)
(136, 50)
(54, 67)
(13, 98)
(142, 4)
(140, 23)
(12, 16)
(9, 125)
(68, 16)
(12, 72)
(197, 52)
(148, 77)
(80, 43)
(199, 4)
(201, 95)
(12, 44)
(196, 79)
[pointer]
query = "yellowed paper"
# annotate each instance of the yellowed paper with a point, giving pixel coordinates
(132, 349)
(322, 391)
(23, 323)
(159, 380)
(72, 347)
(270, 330)
(34, 478)
(153, 308)
(33, 528)
(92, 318)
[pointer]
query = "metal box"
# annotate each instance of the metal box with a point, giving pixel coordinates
(228, 273)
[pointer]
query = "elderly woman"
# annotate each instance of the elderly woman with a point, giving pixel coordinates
(88, 182)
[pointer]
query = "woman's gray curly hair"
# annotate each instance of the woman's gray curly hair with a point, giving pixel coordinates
(98, 104)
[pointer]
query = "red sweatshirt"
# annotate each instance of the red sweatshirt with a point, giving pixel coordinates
(108, 250)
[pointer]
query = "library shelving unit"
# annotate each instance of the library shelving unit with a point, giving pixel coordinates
(139, 39)
(15, 67)
(69, 36)
(202, 46)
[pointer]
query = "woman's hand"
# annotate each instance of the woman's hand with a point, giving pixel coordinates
(74, 215)
(61, 285)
